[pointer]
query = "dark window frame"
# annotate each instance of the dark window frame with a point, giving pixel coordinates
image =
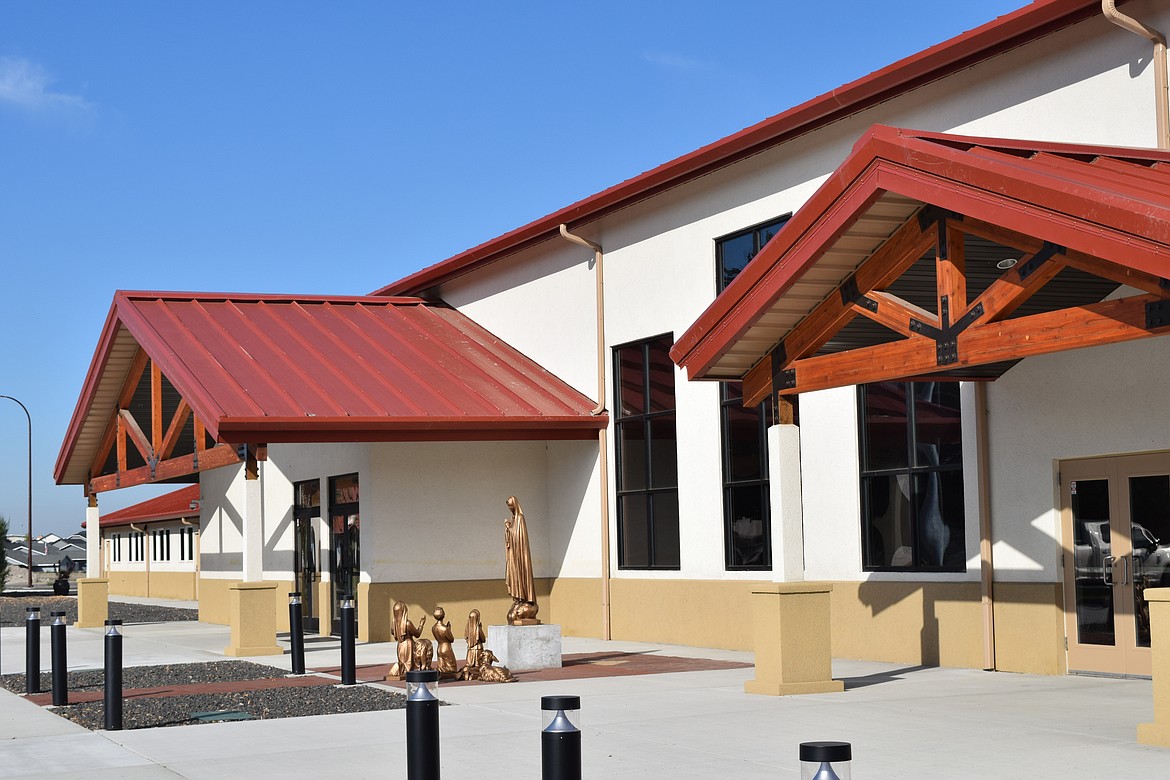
(650, 490)
(757, 231)
(728, 399)
(912, 470)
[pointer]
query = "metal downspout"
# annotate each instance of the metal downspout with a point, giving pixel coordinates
(986, 560)
(602, 434)
(1161, 87)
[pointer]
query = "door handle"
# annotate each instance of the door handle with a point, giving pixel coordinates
(1107, 569)
(1125, 570)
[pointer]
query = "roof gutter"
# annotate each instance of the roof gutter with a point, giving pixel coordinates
(602, 441)
(1161, 87)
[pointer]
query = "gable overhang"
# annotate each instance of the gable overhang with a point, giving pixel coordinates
(1104, 211)
(183, 382)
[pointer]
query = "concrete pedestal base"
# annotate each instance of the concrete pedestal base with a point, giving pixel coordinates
(522, 648)
(792, 640)
(1158, 732)
(93, 602)
(253, 619)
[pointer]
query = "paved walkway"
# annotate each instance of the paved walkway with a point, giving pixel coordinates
(902, 722)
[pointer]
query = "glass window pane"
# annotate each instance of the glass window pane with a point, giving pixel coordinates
(748, 542)
(661, 375)
(1091, 546)
(666, 543)
(767, 231)
(635, 541)
(744, 451)
(632, 448)
(939, 496)
(632, 400)
(886, 519)
(885, 426)
(1149, 514)
(345, 489)
(937, 423)
(663, 453)
(734, 254)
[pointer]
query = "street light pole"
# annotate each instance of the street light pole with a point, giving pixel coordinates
(28, 540)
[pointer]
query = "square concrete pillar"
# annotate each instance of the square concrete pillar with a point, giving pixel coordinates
(792, 639)
(93, 602)
(1158, 732)
(253, 619)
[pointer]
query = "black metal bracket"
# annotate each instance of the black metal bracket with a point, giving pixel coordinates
(930, 214)
(868, 303)
(849, 291)
(787, 379)
(782, 378)
(946, 338)
(1157, 314)
(1040, 258)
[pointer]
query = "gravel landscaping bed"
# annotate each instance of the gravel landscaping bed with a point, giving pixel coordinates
(13, 611)
(154, 676)
(143, 713)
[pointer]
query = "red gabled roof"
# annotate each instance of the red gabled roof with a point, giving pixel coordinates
(1009, 31)
(1109, 202)
(172, 506)
(278, 368)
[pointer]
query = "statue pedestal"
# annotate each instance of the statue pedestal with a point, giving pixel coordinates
(523, 648)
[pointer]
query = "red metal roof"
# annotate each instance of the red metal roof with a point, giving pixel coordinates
(172, 506)
(1006, 32)
(1109, 202)
(279, 368)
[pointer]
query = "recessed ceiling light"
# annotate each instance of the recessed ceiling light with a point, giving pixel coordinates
(1006, 263)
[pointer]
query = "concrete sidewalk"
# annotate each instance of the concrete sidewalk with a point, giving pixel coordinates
(902, 722)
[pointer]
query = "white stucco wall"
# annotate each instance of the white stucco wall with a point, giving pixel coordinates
(659, 267)
(1091, 402)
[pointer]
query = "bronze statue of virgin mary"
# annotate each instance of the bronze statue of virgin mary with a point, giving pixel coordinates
(518, 568)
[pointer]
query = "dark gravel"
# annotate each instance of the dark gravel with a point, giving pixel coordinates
(144, 713)
(13, 610)
(154, 676)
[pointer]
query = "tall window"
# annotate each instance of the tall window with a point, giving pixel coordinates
(647, 456)
(912, 477)
(187, 543)
(747, 528)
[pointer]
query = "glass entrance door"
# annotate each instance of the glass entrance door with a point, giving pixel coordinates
(305, 569)
(1116, 525)
(345, 525)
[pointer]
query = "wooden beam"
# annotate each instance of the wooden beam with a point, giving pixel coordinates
(785, 410)
(1005, 294)
(174, 430)
(950, 272)
(895, 313)
(1107, 322)
(217, 457)
(1147, 283)
(130, 427)
(889, 261)
(1003, 236)
(137, 367)
(200, 435)
(121, 436)
(156, 421)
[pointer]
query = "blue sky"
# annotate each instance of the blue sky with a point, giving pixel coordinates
(333, 148)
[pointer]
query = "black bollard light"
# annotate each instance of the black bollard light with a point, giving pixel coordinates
(825, 760)
(60, 660)
(113, 697)
(422, 725)
(32, 650)
(348, 643)
(560, 738)
(296, 633)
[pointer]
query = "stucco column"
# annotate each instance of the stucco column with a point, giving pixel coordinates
(93, 605)
(787, 505)
(792, 639)
(253, 525)
(1158, 732)
(93, 539)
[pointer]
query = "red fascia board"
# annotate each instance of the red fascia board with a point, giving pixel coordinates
(89, 387)
(146, 518)
(220, 297)
(463, 428)
(1006, 32)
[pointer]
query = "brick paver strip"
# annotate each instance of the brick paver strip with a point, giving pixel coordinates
(579, 666)
(233, 686)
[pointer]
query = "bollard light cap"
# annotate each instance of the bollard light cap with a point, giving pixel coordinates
(32, 609)
(422, 675)
(560, 702)
(58, 613)
(826, 751)
(113, 622)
